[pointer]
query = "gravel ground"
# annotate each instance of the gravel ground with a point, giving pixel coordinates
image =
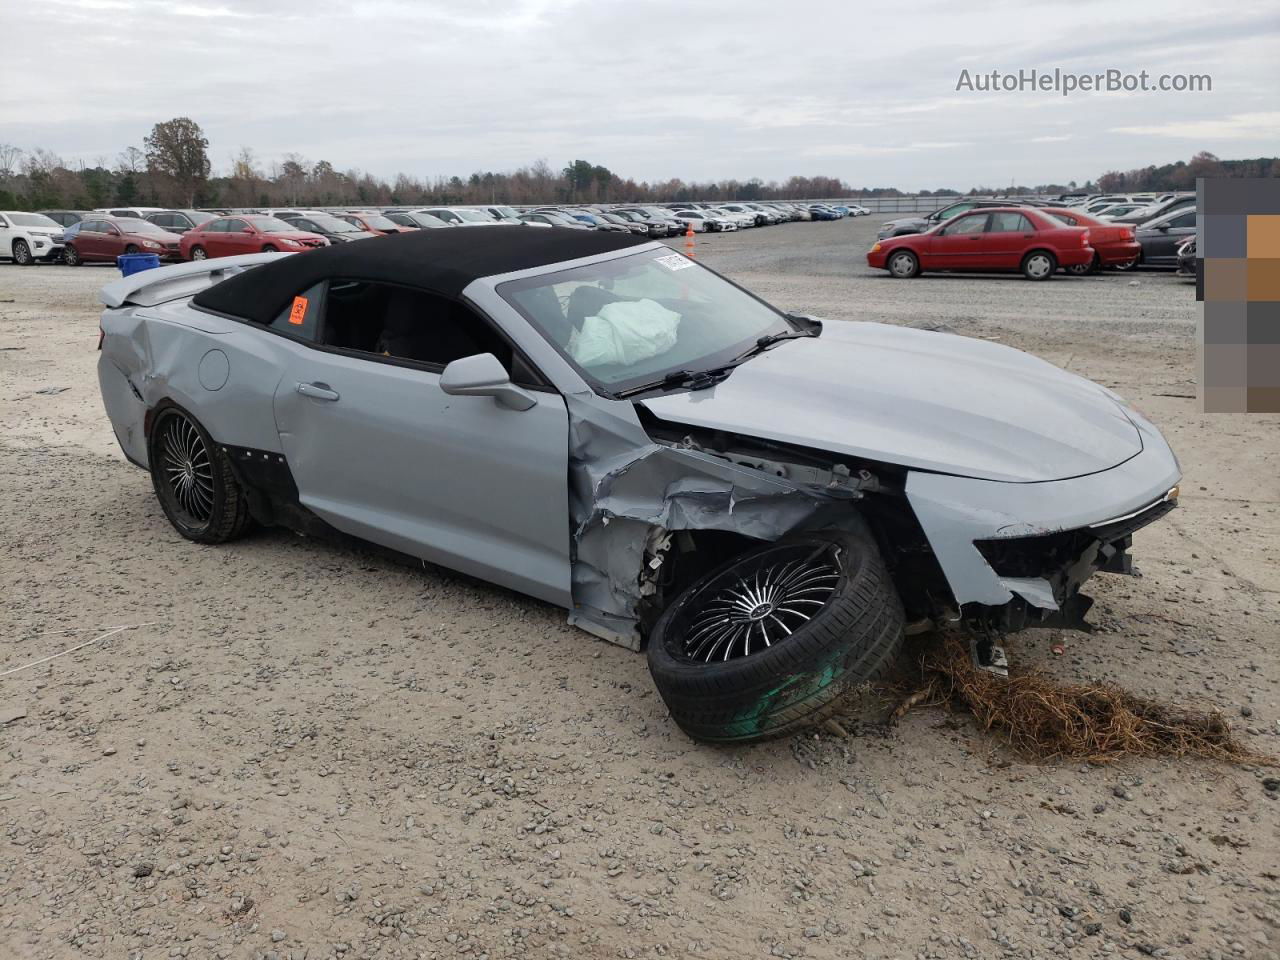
(304, 751)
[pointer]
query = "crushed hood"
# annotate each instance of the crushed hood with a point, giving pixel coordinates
(931, 401)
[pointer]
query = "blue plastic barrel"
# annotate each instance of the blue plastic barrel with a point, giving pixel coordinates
(131, 263)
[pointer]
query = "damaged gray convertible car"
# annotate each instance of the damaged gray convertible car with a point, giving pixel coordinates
(602, 423)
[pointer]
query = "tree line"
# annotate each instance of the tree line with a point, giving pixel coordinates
(172, 169)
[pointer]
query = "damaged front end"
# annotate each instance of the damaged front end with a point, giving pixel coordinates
(654, 508)
(651, 516)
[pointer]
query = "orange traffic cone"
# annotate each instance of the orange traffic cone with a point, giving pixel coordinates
(688, 241)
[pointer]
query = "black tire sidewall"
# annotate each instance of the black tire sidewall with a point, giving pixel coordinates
(774, 691)
(26, 259)
(1053, 265)
(223, 498)
(71, 256)
(915, 261)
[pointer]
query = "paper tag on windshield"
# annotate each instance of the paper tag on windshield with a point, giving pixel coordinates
(673, 261)
(298, 312)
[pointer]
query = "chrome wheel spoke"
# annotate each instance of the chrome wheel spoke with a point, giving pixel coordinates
(745, 613)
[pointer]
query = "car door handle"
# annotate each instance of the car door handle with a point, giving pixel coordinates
(317, 391)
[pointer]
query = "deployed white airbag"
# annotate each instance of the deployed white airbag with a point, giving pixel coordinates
(625, 332)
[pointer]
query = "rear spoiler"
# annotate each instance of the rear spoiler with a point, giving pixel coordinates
(150, 287)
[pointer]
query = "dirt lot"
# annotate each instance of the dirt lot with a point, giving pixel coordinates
(301, 751)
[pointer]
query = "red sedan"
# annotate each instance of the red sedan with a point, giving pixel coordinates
(991, 239)
(105, 238)
(229, 236)
(1114, 244)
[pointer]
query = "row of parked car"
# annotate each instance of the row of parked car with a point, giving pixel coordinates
(1040, 237)
(79, 236)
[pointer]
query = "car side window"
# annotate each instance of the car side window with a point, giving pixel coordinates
(1185, 220)
(965, 225)
(302, 223)
(301, 316)
(390, 322)
(3, 222)
(1009, 223)
(233, 226)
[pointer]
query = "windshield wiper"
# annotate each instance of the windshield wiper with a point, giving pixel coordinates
(768, 340)
(690, 379)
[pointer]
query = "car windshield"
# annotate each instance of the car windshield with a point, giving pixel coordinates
(197, 216)
(507, 212)
(474, 215)
(332, 224)
(426, 219)
(627, 321)
(272, 225)
(33, 220)
(380, 223)
(130, 225)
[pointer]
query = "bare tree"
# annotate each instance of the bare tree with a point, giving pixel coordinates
(131, 160)
(10, 158)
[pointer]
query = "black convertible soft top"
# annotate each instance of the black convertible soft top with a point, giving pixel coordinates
(443, 261)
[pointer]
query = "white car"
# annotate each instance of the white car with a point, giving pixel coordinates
(136, 213)
(28, 237)
(463, 216)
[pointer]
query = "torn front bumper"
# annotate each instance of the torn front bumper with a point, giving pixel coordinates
(1029, 546)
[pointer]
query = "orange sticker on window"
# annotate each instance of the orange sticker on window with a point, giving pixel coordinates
(298, 312)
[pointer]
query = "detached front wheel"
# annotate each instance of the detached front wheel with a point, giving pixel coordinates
(768, 643)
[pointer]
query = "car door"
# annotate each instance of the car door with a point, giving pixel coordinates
(1008, 236)
(6, 236)
(1163, 246)
(381, 452)
(87, 238)
(232, 239)
(957, 245)
(113, 242)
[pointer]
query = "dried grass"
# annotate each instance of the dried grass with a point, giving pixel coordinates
(1045, 719)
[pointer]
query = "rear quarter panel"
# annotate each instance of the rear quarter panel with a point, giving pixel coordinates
(222, 372)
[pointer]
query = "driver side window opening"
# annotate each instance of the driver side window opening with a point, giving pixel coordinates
(964, 225)
(394, 323)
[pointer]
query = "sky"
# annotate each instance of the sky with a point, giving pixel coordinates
(652, 89)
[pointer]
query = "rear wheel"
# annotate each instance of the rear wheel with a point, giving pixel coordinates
(199, 253)
(1081, 269)
(71, 256)
(1039, 265)
(903, 264)
(22, 254)
(193, 480)
(768, 643)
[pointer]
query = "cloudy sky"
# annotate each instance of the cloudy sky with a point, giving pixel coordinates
(700, 89)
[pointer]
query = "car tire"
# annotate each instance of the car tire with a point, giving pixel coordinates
(71, 256)
(199, 253)
(1084, 269)
(852, 636)
(1129, 265)
(131, 249)
(193, 480)
(22, 254)
(903, 265)
(268, 248)
(1039, 265)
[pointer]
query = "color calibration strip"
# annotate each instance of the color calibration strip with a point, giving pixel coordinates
(1238, 284)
